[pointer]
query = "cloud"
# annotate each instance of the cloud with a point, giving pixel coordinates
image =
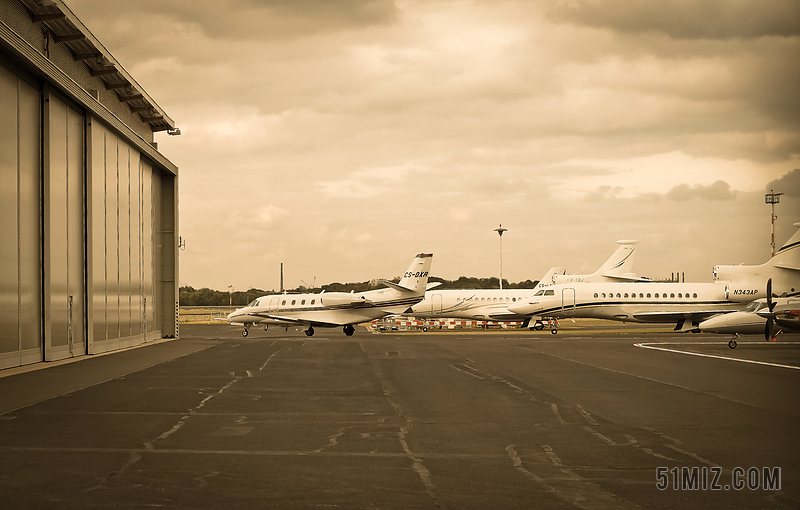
(720, 190)
(269, 213)
(360, 121)
(243, 19)
(789, 184)
(686, 19)
(603, 193)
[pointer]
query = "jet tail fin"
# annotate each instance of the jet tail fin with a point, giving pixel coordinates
(788, 257)
(621, 261)
(547, 279)
(416, 278)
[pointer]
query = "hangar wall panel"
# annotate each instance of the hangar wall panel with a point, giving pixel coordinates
(9, 285)
(65, 241)
(148, 268)
(123, 226)
(99, 270)
(112, 236)
(30, 238)
(123, 253)
(20, 272)
(135, 257)
(76, 234)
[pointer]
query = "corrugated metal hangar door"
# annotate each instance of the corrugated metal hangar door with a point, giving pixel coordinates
(83, 264)
(20, 184)
(65, 262)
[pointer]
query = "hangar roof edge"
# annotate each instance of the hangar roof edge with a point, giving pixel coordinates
(67, 29)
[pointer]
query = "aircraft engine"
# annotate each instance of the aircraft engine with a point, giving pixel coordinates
(334, 299)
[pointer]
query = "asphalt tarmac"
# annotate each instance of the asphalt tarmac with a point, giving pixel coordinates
(590, 419)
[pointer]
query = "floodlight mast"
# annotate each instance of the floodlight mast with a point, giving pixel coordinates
(500, 231)
(773, 198)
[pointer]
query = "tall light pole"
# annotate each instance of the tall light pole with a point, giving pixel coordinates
(500, 231)
(773, 198)
(230, 297)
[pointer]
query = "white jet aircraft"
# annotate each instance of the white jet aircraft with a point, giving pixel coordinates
(747, 282)
(493, 304)
(760, 316)
(332, 309)
(685, 304)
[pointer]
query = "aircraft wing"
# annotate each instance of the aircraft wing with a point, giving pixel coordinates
(507, 317)
(624, 278)
(296, 321)
(281, 318)
(694, 315)
(787, 265)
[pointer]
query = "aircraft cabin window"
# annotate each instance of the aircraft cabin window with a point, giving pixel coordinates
(656, 294)
(671, 295)
(595, 294)
(513, 300)
(294, 301)
(603, 294)
(648, 294)
(303, 302)
(680, 295)
(618, 294)
(694, 295)
(625, 295)
(283, 302)
(313, 301)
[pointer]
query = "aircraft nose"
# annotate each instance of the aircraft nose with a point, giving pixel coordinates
(524, 308)
(713, 324)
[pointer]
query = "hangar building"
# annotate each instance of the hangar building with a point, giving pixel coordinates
(88, 206)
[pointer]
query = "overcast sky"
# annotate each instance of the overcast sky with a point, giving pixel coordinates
(343, 137)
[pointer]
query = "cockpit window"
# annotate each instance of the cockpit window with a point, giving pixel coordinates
(755, 306)
(549, 293)
(253, 303)
(539, 293)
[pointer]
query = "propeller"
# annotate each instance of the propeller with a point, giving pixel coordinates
(768, 328)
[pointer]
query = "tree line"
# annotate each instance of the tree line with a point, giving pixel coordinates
(189, 296)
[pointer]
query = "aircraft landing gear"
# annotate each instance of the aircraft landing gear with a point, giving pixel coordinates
(309, 331)
(348, 330)
(732, 343)
(554, 331)
(538, 326)
(245, 332)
